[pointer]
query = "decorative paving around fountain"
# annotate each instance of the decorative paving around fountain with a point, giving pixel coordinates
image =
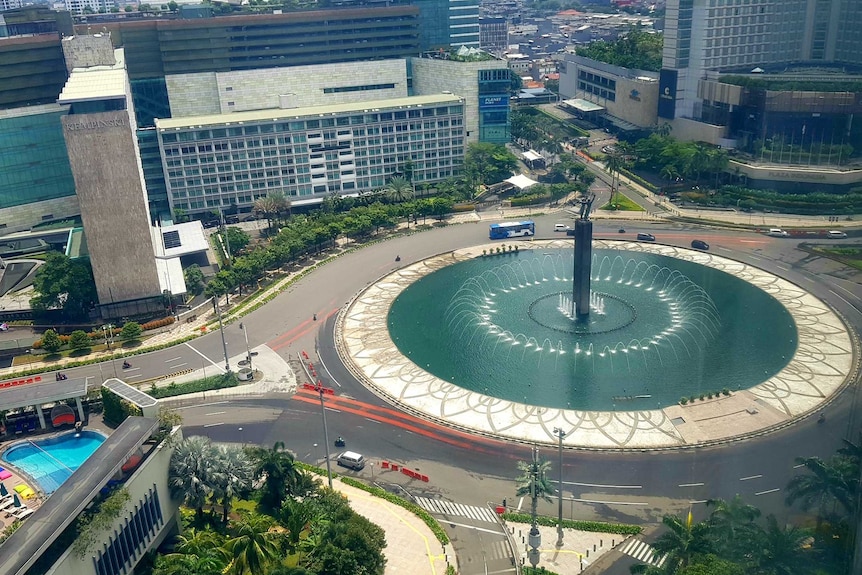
(822, 364)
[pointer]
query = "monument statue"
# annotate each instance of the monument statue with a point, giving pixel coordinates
(586, 203)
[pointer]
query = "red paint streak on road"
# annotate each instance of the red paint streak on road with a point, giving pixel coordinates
(406, 422)
(299, 331)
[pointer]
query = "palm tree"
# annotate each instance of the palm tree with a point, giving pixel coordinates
(683, 540)
(782, 549)
(614, 163)
(197, 541)
(732, 525)
(296, 517)
(835, 481)
(278, 468)
(272, 206)
(233, 476)
(399, 190)
(253, 546)
(209, 563)
(191, 471)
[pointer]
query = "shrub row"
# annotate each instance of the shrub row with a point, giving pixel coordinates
(530, 199)
(157, 323)
(411, 507)
(591, 526)
(702, 396)
(173, 389)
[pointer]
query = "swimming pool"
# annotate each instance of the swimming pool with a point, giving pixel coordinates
(50, 462)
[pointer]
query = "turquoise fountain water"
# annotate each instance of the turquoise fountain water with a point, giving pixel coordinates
(659, 329)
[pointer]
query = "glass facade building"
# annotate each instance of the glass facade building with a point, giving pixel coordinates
(34, 164)
(213, 162)
(494, 105)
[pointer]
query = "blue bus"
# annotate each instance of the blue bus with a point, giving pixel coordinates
(505, 230)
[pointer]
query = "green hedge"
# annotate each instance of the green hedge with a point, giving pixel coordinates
(411, 507)
(530, 200)
(592, 526)
(221, 381)
(527, 570)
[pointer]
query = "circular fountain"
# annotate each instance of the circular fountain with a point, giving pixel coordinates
(494, 343)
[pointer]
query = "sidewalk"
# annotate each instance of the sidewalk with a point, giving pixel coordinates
(411, 547)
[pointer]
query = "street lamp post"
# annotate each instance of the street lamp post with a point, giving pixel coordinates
(325, 437)
(221, 328)
(535, 537)
(247, 351)
(560, 435)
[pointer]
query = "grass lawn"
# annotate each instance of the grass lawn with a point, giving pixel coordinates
(623, 204)
(851, 256)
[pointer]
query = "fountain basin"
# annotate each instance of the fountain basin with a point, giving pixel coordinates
(817, 368)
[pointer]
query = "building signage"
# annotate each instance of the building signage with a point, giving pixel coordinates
(796, 176)
(95, 124)
(635, 95)
(667, 94)
(493, 101)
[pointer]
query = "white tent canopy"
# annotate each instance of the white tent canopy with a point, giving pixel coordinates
(532, 156)
(522, 182)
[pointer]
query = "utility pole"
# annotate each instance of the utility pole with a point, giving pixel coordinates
(247, 351)
(221, 328)
(560, 435)
(325, 436)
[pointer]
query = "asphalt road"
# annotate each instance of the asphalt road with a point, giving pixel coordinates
(636, 487)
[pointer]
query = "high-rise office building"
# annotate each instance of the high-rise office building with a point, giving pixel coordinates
(776, 79)
(743, 35)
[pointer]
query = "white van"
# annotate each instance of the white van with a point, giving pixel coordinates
(777, 233)
(560, 227)
(836, 235)
(352, 460)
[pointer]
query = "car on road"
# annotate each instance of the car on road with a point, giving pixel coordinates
(836, 235)
(699, 245)
(644, 237)
(560, 227)
(352, 460)
(777, 233)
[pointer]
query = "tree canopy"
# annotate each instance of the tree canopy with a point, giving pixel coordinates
(67, 284)
(638, 49)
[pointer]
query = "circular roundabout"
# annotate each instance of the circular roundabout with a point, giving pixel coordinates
(680, 348)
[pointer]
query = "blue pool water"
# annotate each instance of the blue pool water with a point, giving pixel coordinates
(50, 462)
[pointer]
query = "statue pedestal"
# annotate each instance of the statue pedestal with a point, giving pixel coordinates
(583, 267)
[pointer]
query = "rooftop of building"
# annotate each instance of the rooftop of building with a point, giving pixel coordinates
(96, 83)
(276, 114)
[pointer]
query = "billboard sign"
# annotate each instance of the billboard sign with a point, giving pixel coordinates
(667, 94)
(493, 102)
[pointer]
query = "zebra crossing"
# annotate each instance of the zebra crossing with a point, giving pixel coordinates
(643, 552)
(441, 507)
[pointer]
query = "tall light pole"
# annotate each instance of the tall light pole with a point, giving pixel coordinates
(325, 436)
(221, 328)
(560, 435)
(247, 351)
(535, 538)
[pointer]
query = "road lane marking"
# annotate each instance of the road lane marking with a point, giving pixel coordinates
(177, 365)
(520, 502)
(215, 413)
(609, 502)
(808, 279)
(767, 491)
(214, 364)
(750, 477)
(698, 501)
(600, 485)
(841, 298)
(213, 424)
(755, 258)
(472, 527)
(372, 420)
(781, 267)
(690, 485)
(173, 359)
(329, 373)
